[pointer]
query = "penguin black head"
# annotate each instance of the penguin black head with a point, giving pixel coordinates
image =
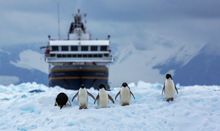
(168, 76)
(124, 84)
(102, 86)
(61, 99)
(82, 86)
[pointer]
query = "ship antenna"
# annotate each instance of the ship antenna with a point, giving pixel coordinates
(58, 19)
(85, 21)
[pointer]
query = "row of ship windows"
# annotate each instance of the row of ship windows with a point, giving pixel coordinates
(79, 55)
(79, 48)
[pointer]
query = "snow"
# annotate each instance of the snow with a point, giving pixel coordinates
(3, 51)
(194, 108)
(30, 59)
(143, 60)
(6, 80)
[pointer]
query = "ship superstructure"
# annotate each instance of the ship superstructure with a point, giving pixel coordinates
(78, 59)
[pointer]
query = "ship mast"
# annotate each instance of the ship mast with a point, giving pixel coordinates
(58, 19)
(77, 28)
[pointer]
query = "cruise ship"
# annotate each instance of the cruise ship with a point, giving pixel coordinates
(78, 59)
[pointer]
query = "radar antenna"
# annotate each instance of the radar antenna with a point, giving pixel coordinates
(58, 19)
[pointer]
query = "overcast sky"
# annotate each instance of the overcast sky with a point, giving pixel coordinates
(141, 22)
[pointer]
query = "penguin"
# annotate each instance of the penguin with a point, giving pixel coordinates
(61, 100)
(125, 94)
(103, 97)
(169, 88)
(83, 97)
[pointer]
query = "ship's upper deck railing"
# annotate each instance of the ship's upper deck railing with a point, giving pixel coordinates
(78, 42)
(65, 51)
(79, 60)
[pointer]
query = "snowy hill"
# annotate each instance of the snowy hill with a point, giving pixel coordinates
(150, 63)
(131, 63)
(196, 108)
(23, 63)
(202, 69)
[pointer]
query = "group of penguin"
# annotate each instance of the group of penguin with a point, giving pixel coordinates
(103, 97)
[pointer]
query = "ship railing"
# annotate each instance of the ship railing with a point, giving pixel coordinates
(64, 60)
(79, 52)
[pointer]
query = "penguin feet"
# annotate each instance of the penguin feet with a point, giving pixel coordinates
(83, 107)
(125, 104)
(169, 99)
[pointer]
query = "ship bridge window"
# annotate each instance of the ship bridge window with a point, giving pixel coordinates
(106, 55)
(103, 48)
(52, 55)
(74, 48)
(84, 48)
(97, 55)
(55, 48)
(94, 48)
(64, 48)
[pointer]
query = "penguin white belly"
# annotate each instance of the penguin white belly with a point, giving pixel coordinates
(103, 99)
(83, 97)
(125, 96)
(169, 89)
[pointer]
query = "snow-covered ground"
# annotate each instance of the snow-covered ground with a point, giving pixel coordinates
(196, 108)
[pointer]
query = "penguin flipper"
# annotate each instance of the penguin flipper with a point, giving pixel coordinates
(117, 95)
(55, 104)
(176, 90)
(91, 95)
(97, 97)
(111, 98)
(75, 95)
(69, 102)
(132, 94)
(163, 89)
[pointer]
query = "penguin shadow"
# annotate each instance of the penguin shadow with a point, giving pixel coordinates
(169, 101)
(119, 105)
(97, 107)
